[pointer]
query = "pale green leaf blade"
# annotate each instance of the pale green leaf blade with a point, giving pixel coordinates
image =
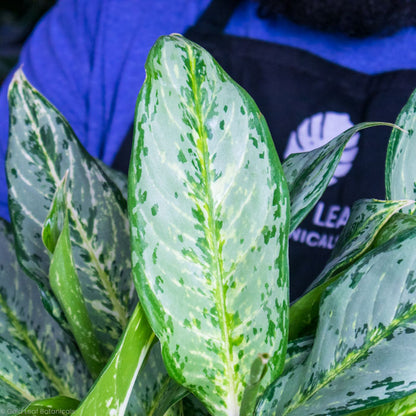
(400, 174)
(309, 173)
(365, 336)
(59, 405)
(25, 324)
(42, 148)
(111, 392)
(367, 219)
(209, 212)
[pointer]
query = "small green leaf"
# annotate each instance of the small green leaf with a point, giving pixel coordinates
(401, 153)
(54, 222)
(111, 392)
(210, 263)
(58, 405)
(367, 219)
(308, 173)
(65, 285)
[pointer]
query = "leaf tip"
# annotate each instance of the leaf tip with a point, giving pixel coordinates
(18, 77)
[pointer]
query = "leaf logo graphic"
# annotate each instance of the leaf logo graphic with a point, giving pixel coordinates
(318, 130)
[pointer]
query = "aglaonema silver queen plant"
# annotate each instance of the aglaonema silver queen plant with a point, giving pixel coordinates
(167, 293)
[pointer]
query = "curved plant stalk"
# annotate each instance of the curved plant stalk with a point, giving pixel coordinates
(65, 285)
(209, 222)
(111, 392)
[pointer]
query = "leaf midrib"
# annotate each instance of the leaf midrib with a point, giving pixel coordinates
(220, 304)
(57, 382)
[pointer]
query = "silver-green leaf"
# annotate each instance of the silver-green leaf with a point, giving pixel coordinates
(309, 173)
(368, 218)
(365, 336)
(41, 149)
(34, 348)
(209, 214)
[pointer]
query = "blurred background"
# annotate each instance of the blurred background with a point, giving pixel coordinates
(17, 19)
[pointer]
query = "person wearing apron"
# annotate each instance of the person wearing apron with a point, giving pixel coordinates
(307, 101)
(87, 58)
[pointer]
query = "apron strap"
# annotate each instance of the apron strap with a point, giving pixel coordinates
(215, 17)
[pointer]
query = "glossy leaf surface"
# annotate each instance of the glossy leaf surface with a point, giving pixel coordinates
(42, 148)
(209, 211)
(367, 219)
(401, 154)
(111, 392)
(58, 405)
(37, 358)
(308, 173)
(65, 285)
(366, 334)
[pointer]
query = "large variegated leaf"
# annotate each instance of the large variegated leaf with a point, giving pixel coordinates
(401, 154)
(308, 173)
(111, 392)
(366, 334)
(209, 212)
(42, 148)
(367, 219)
(37, 358)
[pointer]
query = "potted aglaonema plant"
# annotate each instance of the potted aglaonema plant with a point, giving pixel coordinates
(176, 302)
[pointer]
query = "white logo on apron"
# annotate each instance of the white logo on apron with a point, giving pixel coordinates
(318, 130)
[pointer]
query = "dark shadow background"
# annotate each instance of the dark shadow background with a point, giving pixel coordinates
(17, 19)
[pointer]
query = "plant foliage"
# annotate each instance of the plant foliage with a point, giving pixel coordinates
(176, 302)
